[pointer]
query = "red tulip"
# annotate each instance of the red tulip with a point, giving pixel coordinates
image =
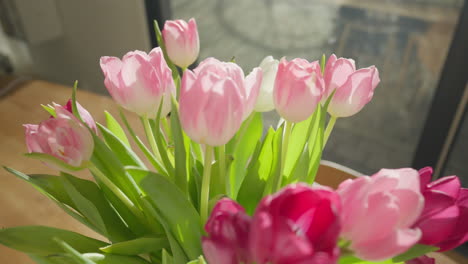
(421, 260)
(297, 225)
(228, 229)
(443, 220)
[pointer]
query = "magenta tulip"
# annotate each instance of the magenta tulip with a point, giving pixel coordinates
(421, 260)
(379, 212)
(353, 88)
(228, 229)
(297, 225)
(181, 41)
(298, 89)
(444, 219)
(85, 115)
(214, 100)
(140, 81)
(63, 137)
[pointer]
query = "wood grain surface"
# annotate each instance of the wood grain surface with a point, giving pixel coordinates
(21, 204)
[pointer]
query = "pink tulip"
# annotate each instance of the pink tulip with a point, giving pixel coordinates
(379, 212)
(421, 260)
(354, 88)
(298, 89)
(140, 81)
(444, 219)
(85, 115)
(297, 225)
(182, 42)
(63, 137)
(228, 229)
(214, 100)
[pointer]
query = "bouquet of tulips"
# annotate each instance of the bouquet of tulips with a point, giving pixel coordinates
(212, 185)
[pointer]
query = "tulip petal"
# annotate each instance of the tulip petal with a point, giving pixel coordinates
(444, 221)
(388, 247)
(253, 81)
(449, 185)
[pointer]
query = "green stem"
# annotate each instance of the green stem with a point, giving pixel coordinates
(328, 130)
(150, 137)
(222, 169)
(205, 189)
(121, 195)
(284, 152)
(166, 128)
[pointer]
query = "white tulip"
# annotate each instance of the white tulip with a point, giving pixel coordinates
(265, 97)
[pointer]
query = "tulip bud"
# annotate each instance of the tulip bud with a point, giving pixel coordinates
(63, 137)
(85, 115)
(443, 220)
(140, 81)
(181, 41)
(353, 88)
(379, 213)
(269, 67)
(297, 225)
(214, 100)
(228, 230)
(298, 89)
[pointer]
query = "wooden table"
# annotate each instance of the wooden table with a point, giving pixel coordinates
(21, 204)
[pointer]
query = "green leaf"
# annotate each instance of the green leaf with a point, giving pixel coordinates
(113, 259)
(156, 164)
(85, 207)
(50, 110)
(52, 259)
(323, 61)
(315, 145)
(109, 163)
(180, 152)
(166, 258)
(39, 240)
(200, 260)
(299, 136)
(91, 203)
(275, 171)
(52, 187)
(161, 143)
(178, 253)
(246, 140)
(73, 253)
(355, 260)
(252, 188)
(414, 252)
(62, 165)
(106, 161)
(75, 111)
(123, 152)
(137, 246)
(115, 128)
(177, 211)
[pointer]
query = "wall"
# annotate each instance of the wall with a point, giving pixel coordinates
(90, 29)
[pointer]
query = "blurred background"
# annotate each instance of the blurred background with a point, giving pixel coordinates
(417, 116)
